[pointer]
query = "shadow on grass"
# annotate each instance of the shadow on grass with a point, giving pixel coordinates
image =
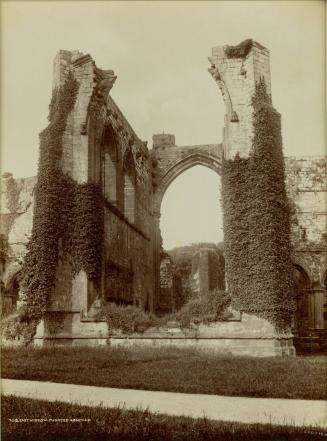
(170, 369)
(32, 420)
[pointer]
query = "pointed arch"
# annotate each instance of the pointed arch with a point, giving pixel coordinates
(178, 167)
(301, 278)
(207, 155)
(109, 166)
(302, 264)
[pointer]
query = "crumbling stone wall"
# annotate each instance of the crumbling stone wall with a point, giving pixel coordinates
(208, 271)
(127, 258)
(99, 147)
(236, 71)
(306, 179)
(17, 203)
(258, 261)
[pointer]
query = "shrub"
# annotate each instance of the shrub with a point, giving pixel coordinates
(18, 326)
(208, 307)
(127, 319)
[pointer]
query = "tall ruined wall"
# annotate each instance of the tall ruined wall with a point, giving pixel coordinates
(255, 206)
(92, 200)
(99, 143)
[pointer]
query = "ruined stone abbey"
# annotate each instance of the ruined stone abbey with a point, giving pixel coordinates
(99, 147)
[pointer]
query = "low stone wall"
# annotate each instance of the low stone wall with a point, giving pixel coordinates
(229, 346)
(247, 335)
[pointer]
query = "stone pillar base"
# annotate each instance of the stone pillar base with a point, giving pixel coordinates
(62, 328)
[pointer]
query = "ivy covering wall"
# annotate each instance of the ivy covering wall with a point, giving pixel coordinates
(66, 215)
(257, 222)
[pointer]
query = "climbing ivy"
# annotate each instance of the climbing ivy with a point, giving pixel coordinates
(67, 216)
(257, 221)
(239, 51)
(39, 269)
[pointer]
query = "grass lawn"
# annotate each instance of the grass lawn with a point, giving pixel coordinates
(170, 369)
(118, 424)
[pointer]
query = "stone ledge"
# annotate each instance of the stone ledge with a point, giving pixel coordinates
(225, 346)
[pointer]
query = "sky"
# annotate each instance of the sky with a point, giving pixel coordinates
(159, 53)
(191, 210)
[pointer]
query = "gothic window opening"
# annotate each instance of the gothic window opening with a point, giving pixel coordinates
(109, 159)
(130, 187)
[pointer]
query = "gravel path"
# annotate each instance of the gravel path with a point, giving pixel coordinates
(240, 409)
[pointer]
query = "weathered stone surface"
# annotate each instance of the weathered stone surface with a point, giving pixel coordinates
(17, 203)
(236, 78)
(207, 271)
(306, 179)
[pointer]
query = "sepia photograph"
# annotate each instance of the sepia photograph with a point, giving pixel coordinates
(163, 220)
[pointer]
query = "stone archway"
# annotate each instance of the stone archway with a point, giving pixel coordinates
(170, 161)
(198, 158)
